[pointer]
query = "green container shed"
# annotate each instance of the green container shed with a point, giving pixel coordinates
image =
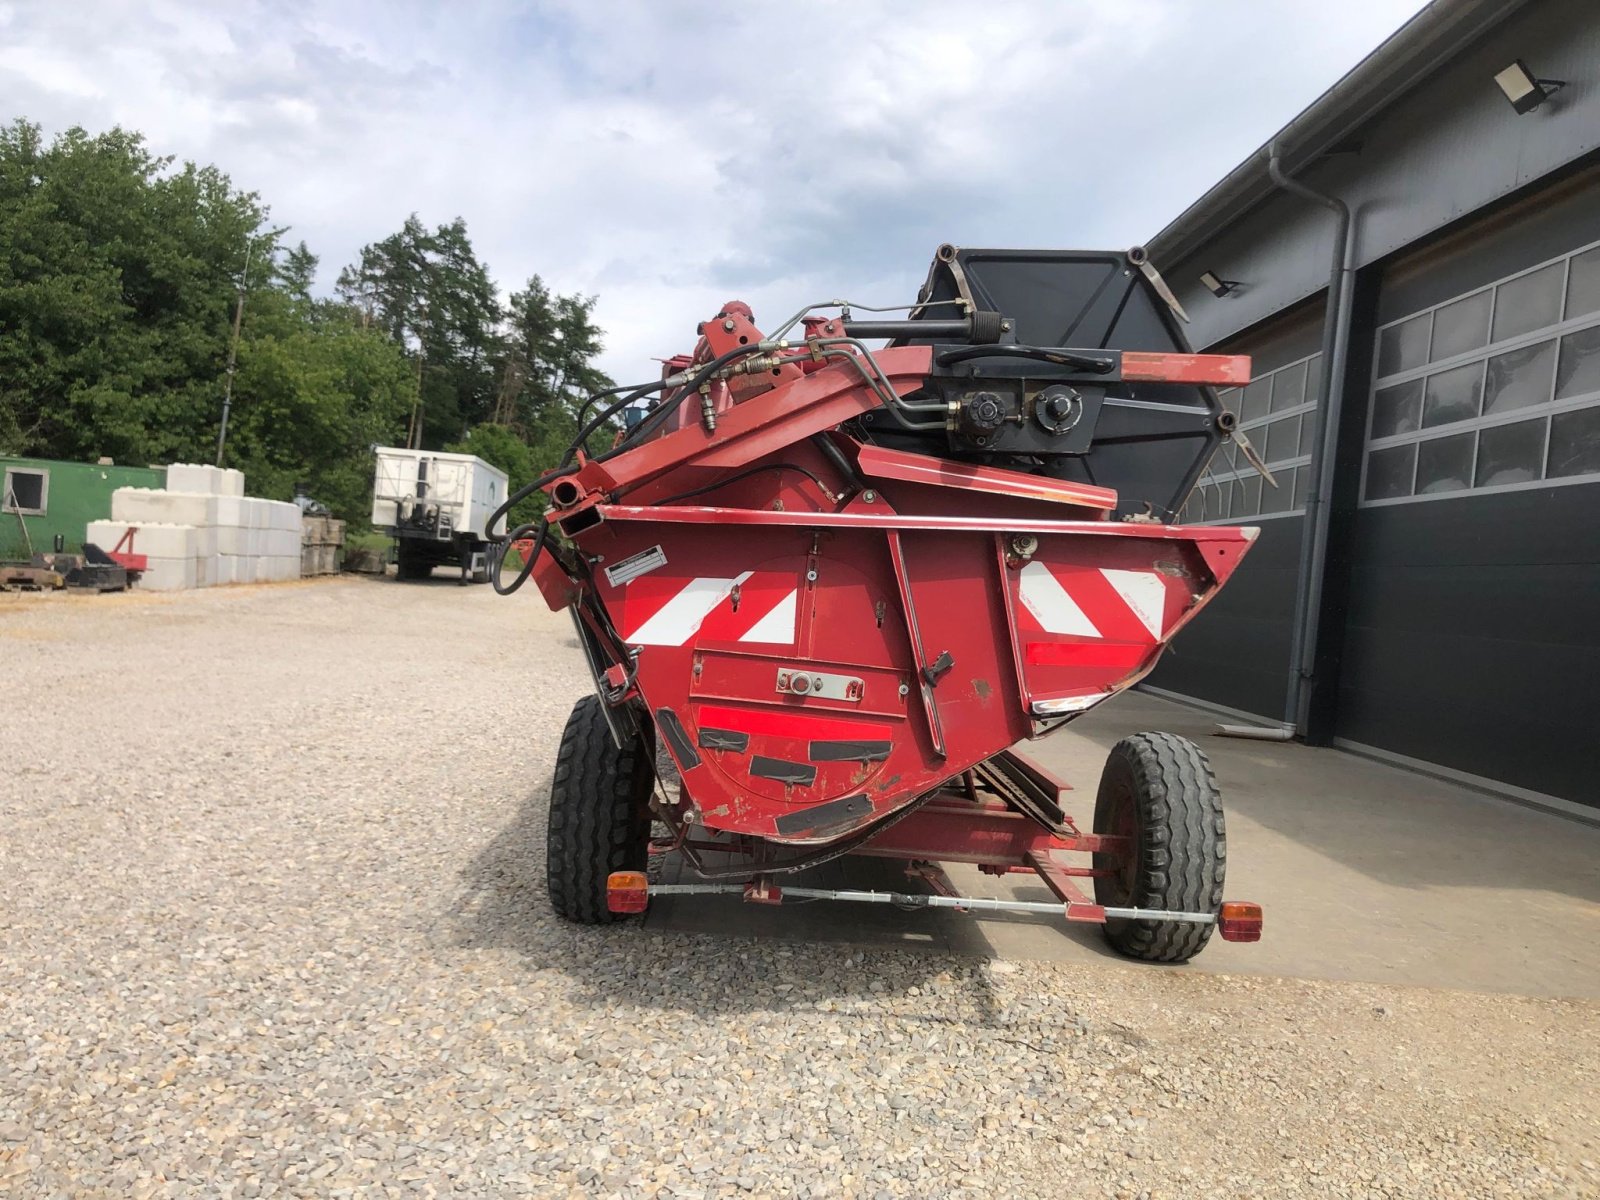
(50, 498)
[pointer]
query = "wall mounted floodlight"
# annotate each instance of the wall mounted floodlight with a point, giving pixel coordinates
(1218, 286)
(1524, 89)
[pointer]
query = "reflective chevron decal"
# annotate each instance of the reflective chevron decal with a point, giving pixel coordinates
(672, 612)
(1098, 603)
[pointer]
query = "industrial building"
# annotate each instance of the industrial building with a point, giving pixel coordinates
(1414, 264)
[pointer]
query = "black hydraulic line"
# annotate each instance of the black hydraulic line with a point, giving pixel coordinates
(566, 468)
(543, 530)
(955, 329)
(1066, 358)
(1319, 487)
(669, 405)
(837, 460)
(654, 385)
(982, 327)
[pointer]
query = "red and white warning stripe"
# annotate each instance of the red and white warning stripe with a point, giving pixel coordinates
(1096, 602)
(672, 612)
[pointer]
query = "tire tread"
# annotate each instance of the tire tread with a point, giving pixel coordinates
(599, 819)
(1183, 849)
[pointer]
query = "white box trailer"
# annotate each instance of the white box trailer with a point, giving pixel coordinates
(437, 506)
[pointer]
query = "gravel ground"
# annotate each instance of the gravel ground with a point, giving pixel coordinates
(272, 890)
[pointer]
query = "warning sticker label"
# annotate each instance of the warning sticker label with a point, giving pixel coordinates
(635, 565)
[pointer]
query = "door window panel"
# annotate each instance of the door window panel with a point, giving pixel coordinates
(1583, 284)
(1403, 346)
(1389, 472)
(1574, 444)
(1453, 396)
(1461, 327)
(1579, 369)
(1397, 410)
(1444, 464)
(1510, 453)
(1518, 378)
(1528, 302)
(1289, 387)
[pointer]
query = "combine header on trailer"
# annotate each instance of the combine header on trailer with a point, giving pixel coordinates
(838, 583)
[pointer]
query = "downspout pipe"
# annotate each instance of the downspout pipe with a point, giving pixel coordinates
(1319, 488)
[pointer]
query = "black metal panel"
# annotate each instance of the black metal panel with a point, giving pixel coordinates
(724, 739)
(677, 739)
(1236, 652)
(782, 770)
(850, 751)
(1473, 636)
(1086, 300)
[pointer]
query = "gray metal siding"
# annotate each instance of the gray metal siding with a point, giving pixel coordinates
(1236, 652)
(1450, 148)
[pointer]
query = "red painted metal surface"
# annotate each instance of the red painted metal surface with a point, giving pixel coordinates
(879, 462)
(1223, 370)
(123, 553)
(985, 832)
(824, 636)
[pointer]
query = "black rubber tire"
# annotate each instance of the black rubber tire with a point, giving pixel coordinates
(1159, 788)
(599, 815)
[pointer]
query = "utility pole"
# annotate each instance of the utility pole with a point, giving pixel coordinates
(233, 353)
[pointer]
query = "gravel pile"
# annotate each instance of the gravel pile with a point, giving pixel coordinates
(272, 890)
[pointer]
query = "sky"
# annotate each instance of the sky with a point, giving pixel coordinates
(668, 156)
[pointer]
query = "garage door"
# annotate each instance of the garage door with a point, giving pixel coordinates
(1473, 630)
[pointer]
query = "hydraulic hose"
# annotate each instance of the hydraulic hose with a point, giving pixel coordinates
(542, 526)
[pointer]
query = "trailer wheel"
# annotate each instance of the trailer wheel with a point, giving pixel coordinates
(1158, 790)
(599, 815)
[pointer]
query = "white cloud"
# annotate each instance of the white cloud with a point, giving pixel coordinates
(668, 156)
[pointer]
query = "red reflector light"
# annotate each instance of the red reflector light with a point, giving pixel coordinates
(627, 891)
(1186, 368)
(1240, 921)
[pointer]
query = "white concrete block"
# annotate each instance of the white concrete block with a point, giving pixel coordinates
(155, 539)
(194, 477)
(189, 477)
(205, 541)
(256, 510)
(169, 575)
(208, 570)
(231, 539)
(230, 511)
(232, 482)
(153, 506)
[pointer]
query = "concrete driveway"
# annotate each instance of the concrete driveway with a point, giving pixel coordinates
(1366, 872)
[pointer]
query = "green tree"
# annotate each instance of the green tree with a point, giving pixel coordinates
(310, 404)
(117, 280)
(120, 271)
(430, 293)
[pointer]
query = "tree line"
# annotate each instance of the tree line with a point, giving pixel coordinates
(120, 275)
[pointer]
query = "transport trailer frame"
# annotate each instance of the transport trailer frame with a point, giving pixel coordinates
(1006, 818)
